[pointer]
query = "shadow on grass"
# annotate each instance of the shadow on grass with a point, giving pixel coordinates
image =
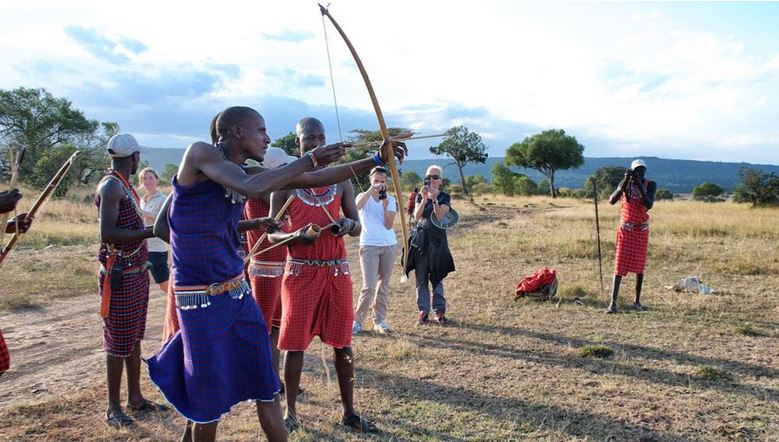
(608, 367)
(574, 423)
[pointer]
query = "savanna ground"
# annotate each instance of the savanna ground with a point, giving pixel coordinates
(692, 367)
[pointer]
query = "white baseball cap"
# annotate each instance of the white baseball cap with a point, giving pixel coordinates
(276, 157)
(637, 163)
(123, 145)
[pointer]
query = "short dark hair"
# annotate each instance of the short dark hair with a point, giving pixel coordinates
(231, 117)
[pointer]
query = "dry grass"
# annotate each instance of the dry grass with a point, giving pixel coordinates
(687, 369)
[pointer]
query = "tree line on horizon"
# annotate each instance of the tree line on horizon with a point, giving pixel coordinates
(50, 129)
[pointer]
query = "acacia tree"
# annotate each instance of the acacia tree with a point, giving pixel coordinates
(464, 147)
(547, 152)
(50, 129)
(757, 187)
(368, 140)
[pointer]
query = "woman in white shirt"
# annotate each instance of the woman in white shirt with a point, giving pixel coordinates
(378, 247)
(151, 203)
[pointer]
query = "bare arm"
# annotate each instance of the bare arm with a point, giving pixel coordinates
(351, 223)
(111, 194)
(161, 227)
(389, 215)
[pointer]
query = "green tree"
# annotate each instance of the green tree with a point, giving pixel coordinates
(410, 180)
(664, 194)
(287, 142)
(547, 152)
(543, 186)
(524, 185)
(464, 147)
(50, 129)
(503, 179)
(606, 178)
(757, 187)
(168, 172)
(707, 190)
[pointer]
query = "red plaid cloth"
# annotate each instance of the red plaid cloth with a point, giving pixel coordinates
(5, 358)
(126, 321)
(266, 288)
(632, 243)
(315, 301)
(531, 283)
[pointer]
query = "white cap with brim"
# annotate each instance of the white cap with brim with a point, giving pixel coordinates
(276, 157)
(123, 145)
(637, 163)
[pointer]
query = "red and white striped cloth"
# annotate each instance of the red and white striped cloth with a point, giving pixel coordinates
(632, 237)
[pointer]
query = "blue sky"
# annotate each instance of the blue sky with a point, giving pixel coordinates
(691, 80)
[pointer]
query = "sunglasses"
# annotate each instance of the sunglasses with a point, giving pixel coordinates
(434, 177)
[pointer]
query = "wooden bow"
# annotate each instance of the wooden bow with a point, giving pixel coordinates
(42, 198)
(384, 133)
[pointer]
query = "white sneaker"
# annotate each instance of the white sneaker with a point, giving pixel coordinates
(382, 328)
(356, 328)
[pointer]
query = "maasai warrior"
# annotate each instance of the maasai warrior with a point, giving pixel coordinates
(221, 355)
(266, 269)
(316, 293)
(123, 280)
(638, 196)
(8, 201)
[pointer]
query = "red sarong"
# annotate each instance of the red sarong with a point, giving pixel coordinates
(632, 235)
(5, 358)
(266, 269)
(316, 301)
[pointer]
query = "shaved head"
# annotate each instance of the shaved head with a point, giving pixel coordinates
(231, 117)
(310, 134)
(307, 124)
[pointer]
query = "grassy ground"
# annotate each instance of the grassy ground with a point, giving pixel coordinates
(693, 367)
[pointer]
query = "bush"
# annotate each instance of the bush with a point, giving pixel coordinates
(706, 191)
(664, 194)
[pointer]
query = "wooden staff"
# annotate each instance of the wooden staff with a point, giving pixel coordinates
(44, 196)
(253, 251)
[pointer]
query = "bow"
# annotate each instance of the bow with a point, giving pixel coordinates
(42, 198)
(384, 133)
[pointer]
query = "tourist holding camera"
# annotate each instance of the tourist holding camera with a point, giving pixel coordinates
(378, 247)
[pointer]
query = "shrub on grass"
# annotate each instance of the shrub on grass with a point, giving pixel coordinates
(596, 351)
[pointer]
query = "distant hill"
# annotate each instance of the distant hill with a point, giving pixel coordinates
(679, 176)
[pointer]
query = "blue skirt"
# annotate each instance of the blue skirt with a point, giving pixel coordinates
(221, 356)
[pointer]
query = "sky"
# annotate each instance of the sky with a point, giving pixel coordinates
(673, 80)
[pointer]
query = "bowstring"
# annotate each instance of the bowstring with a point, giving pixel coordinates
(335, 100)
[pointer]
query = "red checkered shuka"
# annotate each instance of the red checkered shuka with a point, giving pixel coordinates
(266, 269)
(316, 301)
(5, 358)
(632, 244)
(126, 321)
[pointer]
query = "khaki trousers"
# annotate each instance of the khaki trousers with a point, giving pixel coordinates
(376, 263)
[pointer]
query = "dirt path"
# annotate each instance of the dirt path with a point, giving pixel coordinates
(58, 348)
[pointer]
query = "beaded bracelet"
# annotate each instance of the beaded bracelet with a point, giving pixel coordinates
(377, 159)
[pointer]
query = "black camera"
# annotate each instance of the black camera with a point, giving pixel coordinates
(427, 182)
(382, 194)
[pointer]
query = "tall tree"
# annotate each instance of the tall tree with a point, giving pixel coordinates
(50, 128)
(547, 152)
(757, 187)
(464, 147)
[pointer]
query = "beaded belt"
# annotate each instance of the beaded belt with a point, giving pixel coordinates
(294, 266)
(632, 227)
(267, 269)
(194, 296)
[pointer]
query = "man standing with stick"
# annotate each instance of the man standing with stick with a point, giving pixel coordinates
(638, 196)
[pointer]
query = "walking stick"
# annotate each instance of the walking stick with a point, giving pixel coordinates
(44, 196)
(597, 231)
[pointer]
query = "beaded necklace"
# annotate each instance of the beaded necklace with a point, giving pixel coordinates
(311, 198)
